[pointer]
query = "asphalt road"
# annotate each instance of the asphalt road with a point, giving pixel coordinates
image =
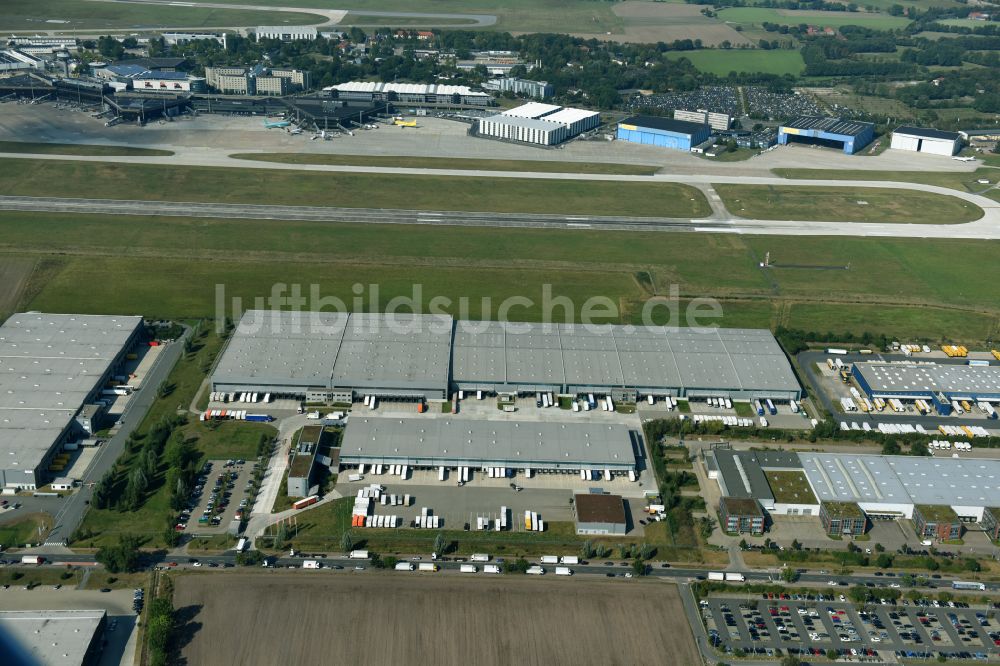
(71, 509)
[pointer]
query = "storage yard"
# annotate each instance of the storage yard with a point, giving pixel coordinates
(434, 620)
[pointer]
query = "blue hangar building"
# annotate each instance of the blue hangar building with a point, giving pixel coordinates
(663, 132)
(848, 135)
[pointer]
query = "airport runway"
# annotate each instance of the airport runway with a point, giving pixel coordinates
(721, 221)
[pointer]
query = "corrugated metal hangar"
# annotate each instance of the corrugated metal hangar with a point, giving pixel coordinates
(663, 132)
(51, 365)
(849, 135)
(922, 140)
(424, 356)
(539, 123)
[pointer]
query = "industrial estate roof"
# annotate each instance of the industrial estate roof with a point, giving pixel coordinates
(927, 133)
(930, 377)
(51, 637)
(594, 508)
(532, 110)
(543, 124)
(740, 475)
(665, 124)
(333, 349)
(936, 513)
(830, 125)
(49, 365)
(879, 479)
(625, 356)
(843, 510)
(569, 116)
(484, 442)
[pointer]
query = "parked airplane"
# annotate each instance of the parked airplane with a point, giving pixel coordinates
(277, 124)
(399, 122)
(964, 159)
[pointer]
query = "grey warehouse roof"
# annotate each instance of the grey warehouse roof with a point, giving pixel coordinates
(831, 125)
(903, 479)
(930, 377)
(51, 637)
(927, 133)
(623, 356)
(49, 365)
(530, 123)
(332, 349)
(499, 443)
(741, 476)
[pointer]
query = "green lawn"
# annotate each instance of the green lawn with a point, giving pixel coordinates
(36, 15)
(260, 186)
(558, 16)
(368, 21)
(836, 204)
(962, 181)
(451, 163)
(723, 61)
(174, 264)
(78, 149)
(759, 15)
(25, 530)
(229, 439)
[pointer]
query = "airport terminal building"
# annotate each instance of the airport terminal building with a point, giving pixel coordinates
(53, 367)
(339, 357)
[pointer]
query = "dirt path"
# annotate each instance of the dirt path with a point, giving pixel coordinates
(14, 274)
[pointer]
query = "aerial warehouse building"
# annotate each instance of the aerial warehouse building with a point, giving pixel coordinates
(663, 132)
(849, 135)
(922, 140)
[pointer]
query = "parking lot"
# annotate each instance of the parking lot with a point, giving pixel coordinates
(221, 493)
(882, 631)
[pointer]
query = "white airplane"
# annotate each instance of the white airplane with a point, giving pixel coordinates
(964, 159)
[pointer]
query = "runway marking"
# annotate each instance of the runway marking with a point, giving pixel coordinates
(577, 225)
(577, 218)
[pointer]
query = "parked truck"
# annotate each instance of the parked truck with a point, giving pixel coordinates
(738, 577)
(427, 566)
(468, 568)
(312, 564)
(491, 568)
(570, 559)
(535, 571)
(550, 559)
(260, 418)
(716, 575)
(358, 555)
(480, 557)
(32, 559)
(404, 566)
(564, 571)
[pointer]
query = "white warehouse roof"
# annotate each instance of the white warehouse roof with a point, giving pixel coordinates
(404, 88)
(531, 110)
(569, 116)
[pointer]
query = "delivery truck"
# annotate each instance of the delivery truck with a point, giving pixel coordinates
(404, 566)
(564, 571)
(468, 568)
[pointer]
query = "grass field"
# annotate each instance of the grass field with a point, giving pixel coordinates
(430, 619)
(142, 181)
(961, 181)
(835, 204)
(173, 265)
(354, 18)
(25, 529)
(512, 15)
(14, 275)
(451, 163)
(723, 61)
(78, 149)
(42, 15)
(759, 15)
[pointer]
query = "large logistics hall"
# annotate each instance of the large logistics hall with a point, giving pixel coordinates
(539, 123)
(663, 132)
(51, 366)
(342, 357)
(880, 487)
(540, 446)
(930, 381)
